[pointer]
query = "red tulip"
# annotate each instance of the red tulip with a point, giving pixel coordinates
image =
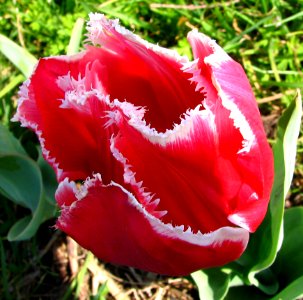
(173, 159)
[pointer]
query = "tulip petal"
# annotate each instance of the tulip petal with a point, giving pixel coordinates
(189, 160)
(236, 95)
(59, 104)
(143, 74)
(203, 171)
(109, 221)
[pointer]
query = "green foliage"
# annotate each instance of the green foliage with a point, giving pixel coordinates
(21, 181)
(21, 58)
(39, 25)
(8, 143)
(77, 282)
(76, 36)
(212, 283)
(267, 240)
(288, 267)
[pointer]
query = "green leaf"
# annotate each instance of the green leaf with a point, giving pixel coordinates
(265, 243)
(8, 143)
(18, 227)
(14, 81)
(20, 180)
(19, 56)
(247, 293)
(288, 265)
(26, 183)
(74, 43)
(292, 291)
(27, 227)
(212, 284)
(50, 183)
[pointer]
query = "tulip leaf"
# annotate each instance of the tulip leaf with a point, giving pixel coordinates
(74, 42)
(292, 291)
(20, 180)
(266, 241)
(8, 143)
(19, 56)
(26, 227)
(50, 183)
(247, 293)
(288, 266)
(212, 284)
(18, 227)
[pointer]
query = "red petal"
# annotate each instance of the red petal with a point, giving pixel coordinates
(69, 117)
(186, 168)
(256, 159)
(201, 171)
(109, 221)
(142, 74)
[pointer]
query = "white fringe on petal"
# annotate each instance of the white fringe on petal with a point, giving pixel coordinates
(216, 237)
(99, 25)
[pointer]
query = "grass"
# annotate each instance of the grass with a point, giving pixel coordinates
(264, 36)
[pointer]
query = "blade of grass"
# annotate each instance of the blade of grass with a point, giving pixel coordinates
(81, 274)
(272, 51)
(292, 291)
(290, 85)
(233, 43)
(280, 72)
(14, 81)
(74, 42)
(19, 56)
(102, 292)
(76, 284)
(242, 16)
(106, 3)
(291, 18)
(192, 6)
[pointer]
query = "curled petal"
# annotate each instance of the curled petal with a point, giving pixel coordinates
(195, 193)
(255, 159)
(206, 185)
(142, 74)
(58, 102)
(109, 221)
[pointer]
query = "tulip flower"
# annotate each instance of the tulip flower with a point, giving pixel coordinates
(162, 162)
